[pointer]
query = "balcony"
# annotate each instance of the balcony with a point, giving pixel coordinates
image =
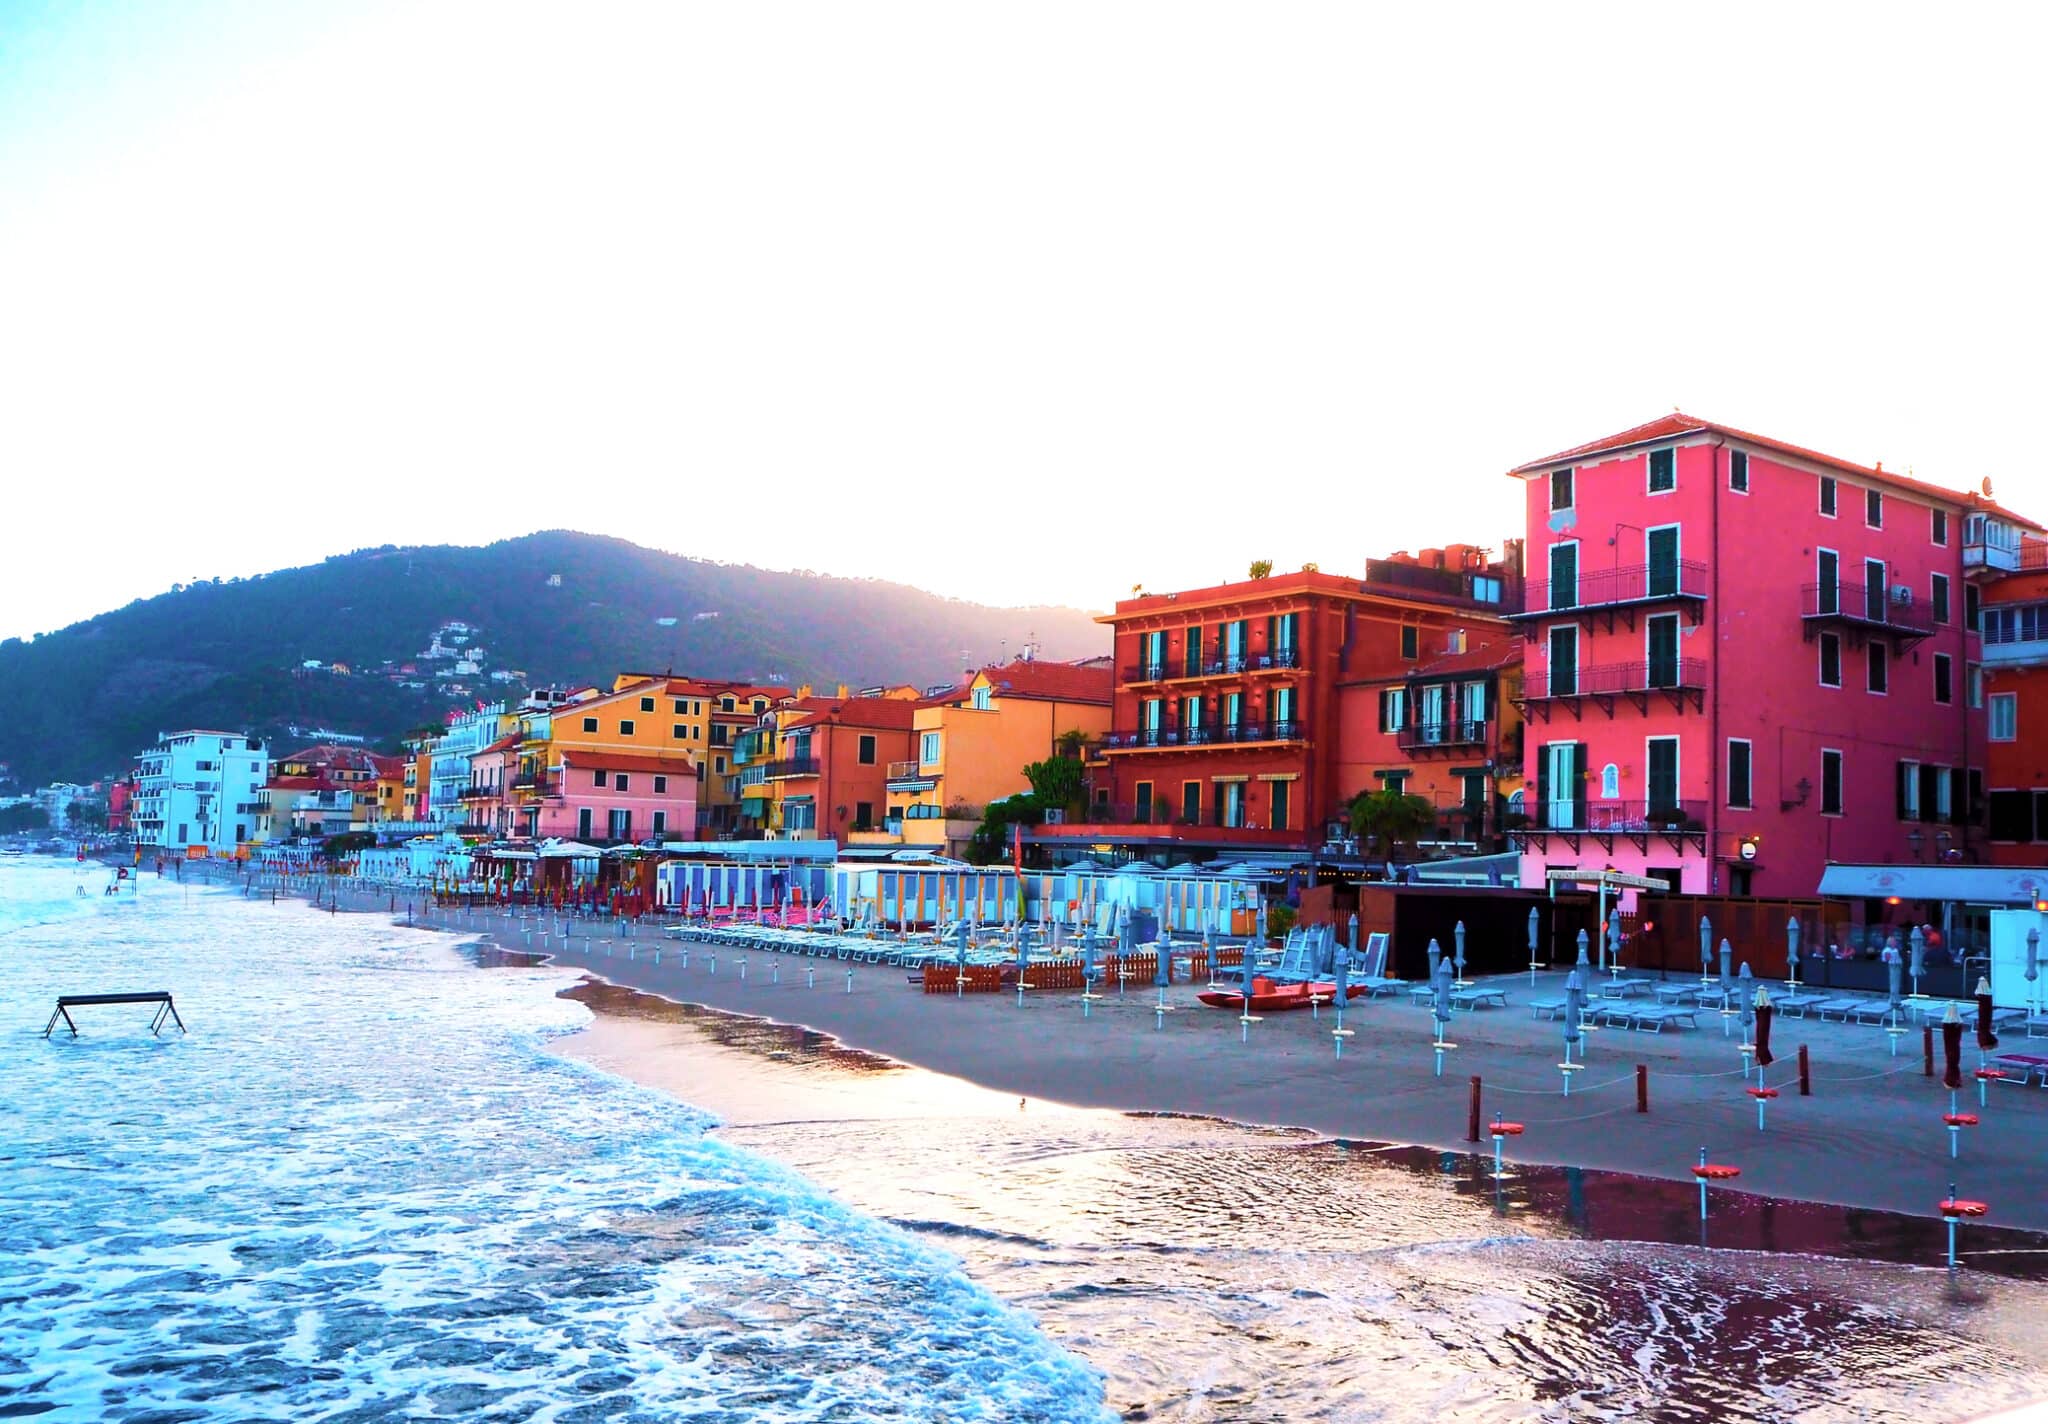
(1221, 665)
(1215, 734)
(909, 776)
(1992, 547)
(1863, 610)
(1680, 823)
(786, 768)
(536, 787)
(477, 793)
(1682, 680)
(1616, 594)
(1457, 734)
(1160, 822)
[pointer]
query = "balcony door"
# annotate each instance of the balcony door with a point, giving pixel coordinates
(1564, 662)
(1233, 715)
(1192, 665)
(1564, 575)
(1661, 550)
(1431, 705)
(1873, 590)
(1662, 780)
(1828, 578)
(1563, 778)
(1661, 638)
(1233, 645)
(1230, 803)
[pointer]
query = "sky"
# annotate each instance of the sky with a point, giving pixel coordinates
(1025, 303)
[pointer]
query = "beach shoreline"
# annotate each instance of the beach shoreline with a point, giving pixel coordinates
(1870, 1137)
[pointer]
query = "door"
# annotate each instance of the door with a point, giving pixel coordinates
(1662, 640)
(1191, 803)
(1662, 778)
(1233, 645)
(1564, 575)
(1230, 808)
(1873, 590)
(1233, 714)
(1564, 662)
(1827, 594)
(1279, 791)
(1662, 547)
(1193, 664)
(1561, 785)
(1432, 718)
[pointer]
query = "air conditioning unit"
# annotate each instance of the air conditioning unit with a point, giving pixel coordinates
(1056, 816)
(1902, 593)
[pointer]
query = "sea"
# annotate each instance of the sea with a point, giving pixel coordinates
(363, 1186)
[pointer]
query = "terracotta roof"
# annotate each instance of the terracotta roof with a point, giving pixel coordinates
(1052, 682)
(503, 744)
(299, 783)
(1671, 427)
(1477, 657)
(388, 765)
(623, 761)
(883, 713)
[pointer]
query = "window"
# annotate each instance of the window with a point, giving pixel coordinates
(1830, 782)
(1191, 660)
(2005, 716)
(590, 724)
(681, 708)
(647, 704)
(1410, 639)
(660, 785)
(1738, 773)
(680, 731)
(1873, 508)
(1472, 705)
(1278, 790)
(1827, 495)
(2012, 816)
(1393, 709)
(1738, 471)
(619, 781)
(865, 750)
(1191, 803)
(583, 822)
(1830, 660)
(1561, 489)
(625, 729)
(1938, 526)
(600, 780)
(621, 825)
(725, 705)
(1230, 803)
(1909, 790)
(982, 697)
(1970, 606)
(1874, 591)
(928, 744)
(1944, 678)
(1396, 781)
(1661, 777)
(1660, 639)
(1144, 802)
(1940, 597)
(1660, 553)
(1280, 710)
(863, 815)
(760, 706)
(720, 764)
(1663, 471)
(1878, 679)
(1974, 681)
(1827, 588)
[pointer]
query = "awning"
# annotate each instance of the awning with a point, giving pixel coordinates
(1613, 879)
(1982, 884)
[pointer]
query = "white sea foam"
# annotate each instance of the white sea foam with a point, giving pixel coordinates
(357, 1190)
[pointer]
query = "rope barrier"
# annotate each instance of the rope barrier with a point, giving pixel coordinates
(1629, 1077)
(1866, 1077)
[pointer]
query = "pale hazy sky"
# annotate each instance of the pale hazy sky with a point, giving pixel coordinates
(1018, 303)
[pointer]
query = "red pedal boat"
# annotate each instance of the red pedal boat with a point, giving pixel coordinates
(1268, 997)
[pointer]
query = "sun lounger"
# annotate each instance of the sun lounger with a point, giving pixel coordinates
(2025, 1066)
(1655, 1017)
(1680, 993)
(1546, 1008)
(1793, 1003)
(1477, 997)
(1625, 988)
(1840, 1008)
(2037, 1024)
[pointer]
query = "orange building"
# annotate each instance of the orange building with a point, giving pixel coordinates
(827, 774)
(970, 746)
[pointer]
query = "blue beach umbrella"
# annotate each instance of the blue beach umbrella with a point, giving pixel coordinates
(1436, 954)
(1162, 970)
(1706, 944)
(1727, 962)
(1574, 1011)
(1533, 931)
(1440, 998)
(1343, 983)
(1354, 934)
(1585, 940)
(1458, 947)
(1893, 973)
(1917, 966)
(1745, 998)
(1614, 941)
(1792, 947)
(1245, 968)
(1087, 958)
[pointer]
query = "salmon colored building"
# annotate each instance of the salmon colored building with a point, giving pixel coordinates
(1748, 659)
(2014, 625)
(604, 766)
(970, 746)
(1226, 733)
(824, 761)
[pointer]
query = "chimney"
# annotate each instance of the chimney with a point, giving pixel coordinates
(842, 691)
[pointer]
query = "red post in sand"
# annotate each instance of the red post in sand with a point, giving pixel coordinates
(1472, 1113)
(1805, 1077)
(1642, 1087)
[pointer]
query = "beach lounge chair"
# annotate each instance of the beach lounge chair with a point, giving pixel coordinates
(1871, 1011)
(1625, 988)
(2022, 1066)
(1655, 1017)
(1478, 996)
(1546, 1008)
(1840, 1008)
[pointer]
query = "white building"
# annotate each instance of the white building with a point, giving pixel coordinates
(199, 788)
(468, 733)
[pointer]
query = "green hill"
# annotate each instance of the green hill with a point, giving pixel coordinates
(81, 702)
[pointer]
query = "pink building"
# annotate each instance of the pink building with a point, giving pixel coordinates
(1745, 660)
(605, 797)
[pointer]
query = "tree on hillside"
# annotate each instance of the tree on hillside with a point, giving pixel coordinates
(86, 815)
(25, 817)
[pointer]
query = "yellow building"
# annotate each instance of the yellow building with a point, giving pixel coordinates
(705, 714)
(971, 747)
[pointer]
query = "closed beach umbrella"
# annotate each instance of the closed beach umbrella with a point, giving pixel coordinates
(1343, 978)
(1792, 948)
(1087, 958)
(1458, 947)
(1354, 937)
(1245, 968)
(1574, 1010)
(1745, 998)
(1727, 961)
(1894, 971)
(1614, 940)
(1706, 944)
(1440, 1000)
(1584, 941)
(1916, 944)
(1532, 934)
(1162, 970)
(1262, 919)
(1986, 1039)
(1436, 953)
(1952, 1048)
(1763, 1028)
(1023, 956)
